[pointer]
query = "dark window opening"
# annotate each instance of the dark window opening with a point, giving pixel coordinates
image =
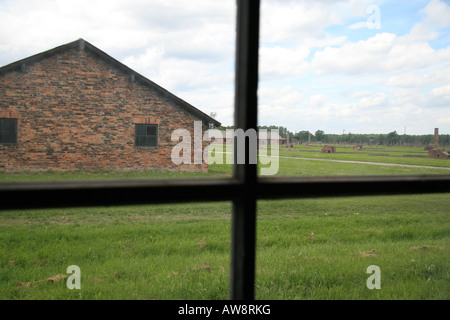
(146, 135)
(8, 131)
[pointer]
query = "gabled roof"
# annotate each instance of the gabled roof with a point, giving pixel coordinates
(81, 44)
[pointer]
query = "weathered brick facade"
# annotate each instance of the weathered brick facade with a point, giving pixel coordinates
(76, 108)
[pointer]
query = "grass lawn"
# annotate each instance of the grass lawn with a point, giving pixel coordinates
(383, 154)
(306, 249)
(320, 249)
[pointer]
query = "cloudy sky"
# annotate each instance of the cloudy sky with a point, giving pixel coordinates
(359, 66)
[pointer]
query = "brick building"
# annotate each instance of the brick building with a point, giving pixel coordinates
(75, 107)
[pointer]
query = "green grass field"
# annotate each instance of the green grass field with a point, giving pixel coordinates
(306, 249)
(309, 161)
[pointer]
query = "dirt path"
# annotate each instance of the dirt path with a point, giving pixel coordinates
(361, 162)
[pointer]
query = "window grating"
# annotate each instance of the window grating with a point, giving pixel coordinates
(146, 135)
(244, 188)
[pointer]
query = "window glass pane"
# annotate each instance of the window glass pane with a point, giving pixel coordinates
(321, 249)
(141, 130)
(152, 130)
(152, 141)
(8, 137)
(140, 140)
(341, 79)
(89, 117)
(162, 252)
(8, 130)
(9, 125)
(146, 135)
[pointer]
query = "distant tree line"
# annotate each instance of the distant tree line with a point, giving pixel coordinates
(391, 138)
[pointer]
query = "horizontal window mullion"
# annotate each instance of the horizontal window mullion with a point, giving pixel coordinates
(124, 192)
(115, 193)
(309, 187)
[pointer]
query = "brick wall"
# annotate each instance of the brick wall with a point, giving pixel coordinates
(77, 111)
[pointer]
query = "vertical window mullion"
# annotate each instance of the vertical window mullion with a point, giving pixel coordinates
(243, 237)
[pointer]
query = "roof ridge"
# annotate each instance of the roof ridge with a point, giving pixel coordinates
(84, 45)
(39, 56)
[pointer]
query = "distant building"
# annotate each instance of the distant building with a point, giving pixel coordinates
(329, 149)
(75, 107)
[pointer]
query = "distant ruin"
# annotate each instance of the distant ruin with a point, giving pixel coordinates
(329, 149)
(309, 139)
(436, 152)
(289, 144)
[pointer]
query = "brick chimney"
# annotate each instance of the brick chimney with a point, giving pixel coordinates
(436, 138)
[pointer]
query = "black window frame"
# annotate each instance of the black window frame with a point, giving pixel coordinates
(8, 122)
(139, 137)
(243, 189)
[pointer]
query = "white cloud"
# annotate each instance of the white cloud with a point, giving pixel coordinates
(444, 120)
(442, 74)
(318, 100)
(179, 74)
(278, 62)
(284, 96)
(290, 21)
(438, 13)
(442, 91)
(358, 25)
(148, 62)
(367, 99)
(384, 52)
(360, 57)
(120, 26)
(387, 52)
(408, 80)
(218, 100)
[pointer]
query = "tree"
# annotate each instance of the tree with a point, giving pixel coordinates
(392, 138)
(282, 131)
(302, 136)
(320, 135)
